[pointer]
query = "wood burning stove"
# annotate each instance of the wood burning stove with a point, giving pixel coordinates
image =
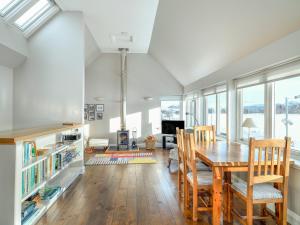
(123, 139)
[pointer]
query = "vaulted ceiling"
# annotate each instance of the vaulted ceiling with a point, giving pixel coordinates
(193, 38)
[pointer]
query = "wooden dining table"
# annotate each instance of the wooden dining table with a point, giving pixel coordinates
(223, 158)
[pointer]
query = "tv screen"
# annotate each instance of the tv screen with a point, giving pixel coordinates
(169, 126)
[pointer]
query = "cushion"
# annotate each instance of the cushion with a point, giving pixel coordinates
(203, 178)
(173, 154)
(260, 191)
(201, 166)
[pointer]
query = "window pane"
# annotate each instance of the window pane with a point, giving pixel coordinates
(4, 3)
(7, 5)
(170, 110)
(32, 14)
(253, 107)
(223, 113)
(288, 88)
(210, 109)
(191, 113)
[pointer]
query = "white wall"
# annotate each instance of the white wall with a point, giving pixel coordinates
(283, 49)
(13, 46)
(145, 78)
(6, 98)
(49, 86)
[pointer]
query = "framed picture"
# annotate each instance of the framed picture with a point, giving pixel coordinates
(91, 107)
(99, 115)
(100, 107)
(85, 115)
(91, 115)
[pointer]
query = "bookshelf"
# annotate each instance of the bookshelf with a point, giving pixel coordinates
(36, 167)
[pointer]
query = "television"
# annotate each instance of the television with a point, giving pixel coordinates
(169, 126)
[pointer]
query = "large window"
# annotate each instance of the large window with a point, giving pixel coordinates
(28, 15)
(211, 110)
(170, 110)
(222, 112)
(32, 14)
(252, 106)
(191, 119)
(287, 119)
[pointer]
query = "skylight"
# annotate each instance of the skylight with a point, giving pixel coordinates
(7, 5)
(32, 14)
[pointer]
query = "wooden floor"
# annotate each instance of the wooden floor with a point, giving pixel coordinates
(143, 194)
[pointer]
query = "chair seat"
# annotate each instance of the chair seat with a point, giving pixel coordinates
(203, 178)
(260, 191)
(200, 166)
(173, 154)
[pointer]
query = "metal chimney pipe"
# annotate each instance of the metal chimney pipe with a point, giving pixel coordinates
(123, 52)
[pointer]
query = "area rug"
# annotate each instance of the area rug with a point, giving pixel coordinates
(121, 159)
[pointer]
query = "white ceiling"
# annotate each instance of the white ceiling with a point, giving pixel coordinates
(193, 38)
(106, 18)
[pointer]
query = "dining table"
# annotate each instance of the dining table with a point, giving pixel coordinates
(223, 158)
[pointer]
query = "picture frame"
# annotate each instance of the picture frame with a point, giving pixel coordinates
(91, 107)
(100, 107)
(91, 115)
(99, 115)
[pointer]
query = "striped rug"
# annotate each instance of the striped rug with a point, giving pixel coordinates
(121, 159)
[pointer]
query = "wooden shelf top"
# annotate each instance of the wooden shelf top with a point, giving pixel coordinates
(10, 137)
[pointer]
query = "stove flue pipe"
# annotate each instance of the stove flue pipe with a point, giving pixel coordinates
(123, 52)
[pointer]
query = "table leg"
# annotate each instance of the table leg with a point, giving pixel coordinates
(227, 201)
(217, 195)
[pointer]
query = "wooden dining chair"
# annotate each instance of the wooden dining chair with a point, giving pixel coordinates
(268, 175)
(199, 181)
(181, 162)
(204, 134)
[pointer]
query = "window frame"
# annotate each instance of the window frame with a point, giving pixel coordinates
(217, 112)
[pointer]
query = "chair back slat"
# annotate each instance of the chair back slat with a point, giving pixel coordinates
(259, 161)
(272, 160)
(266, 160)
(264, 169)
(204, 134)
(278, 161)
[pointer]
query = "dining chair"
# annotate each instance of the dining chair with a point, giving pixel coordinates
(199, 181)
(181, 162)
(268, 174)
(204, 134)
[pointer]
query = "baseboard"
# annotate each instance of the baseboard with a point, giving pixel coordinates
(293, 218)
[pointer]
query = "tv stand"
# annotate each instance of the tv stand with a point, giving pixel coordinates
(164, 138)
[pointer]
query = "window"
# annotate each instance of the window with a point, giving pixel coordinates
(211, 110)
(170, 109)
(191, 119)
(32, 14)
(7, 5)
(27, 15)
(215, 108)
(252, 106)
(222, 113)
(287, 124)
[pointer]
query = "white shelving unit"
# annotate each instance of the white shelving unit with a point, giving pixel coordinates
(11, 168)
